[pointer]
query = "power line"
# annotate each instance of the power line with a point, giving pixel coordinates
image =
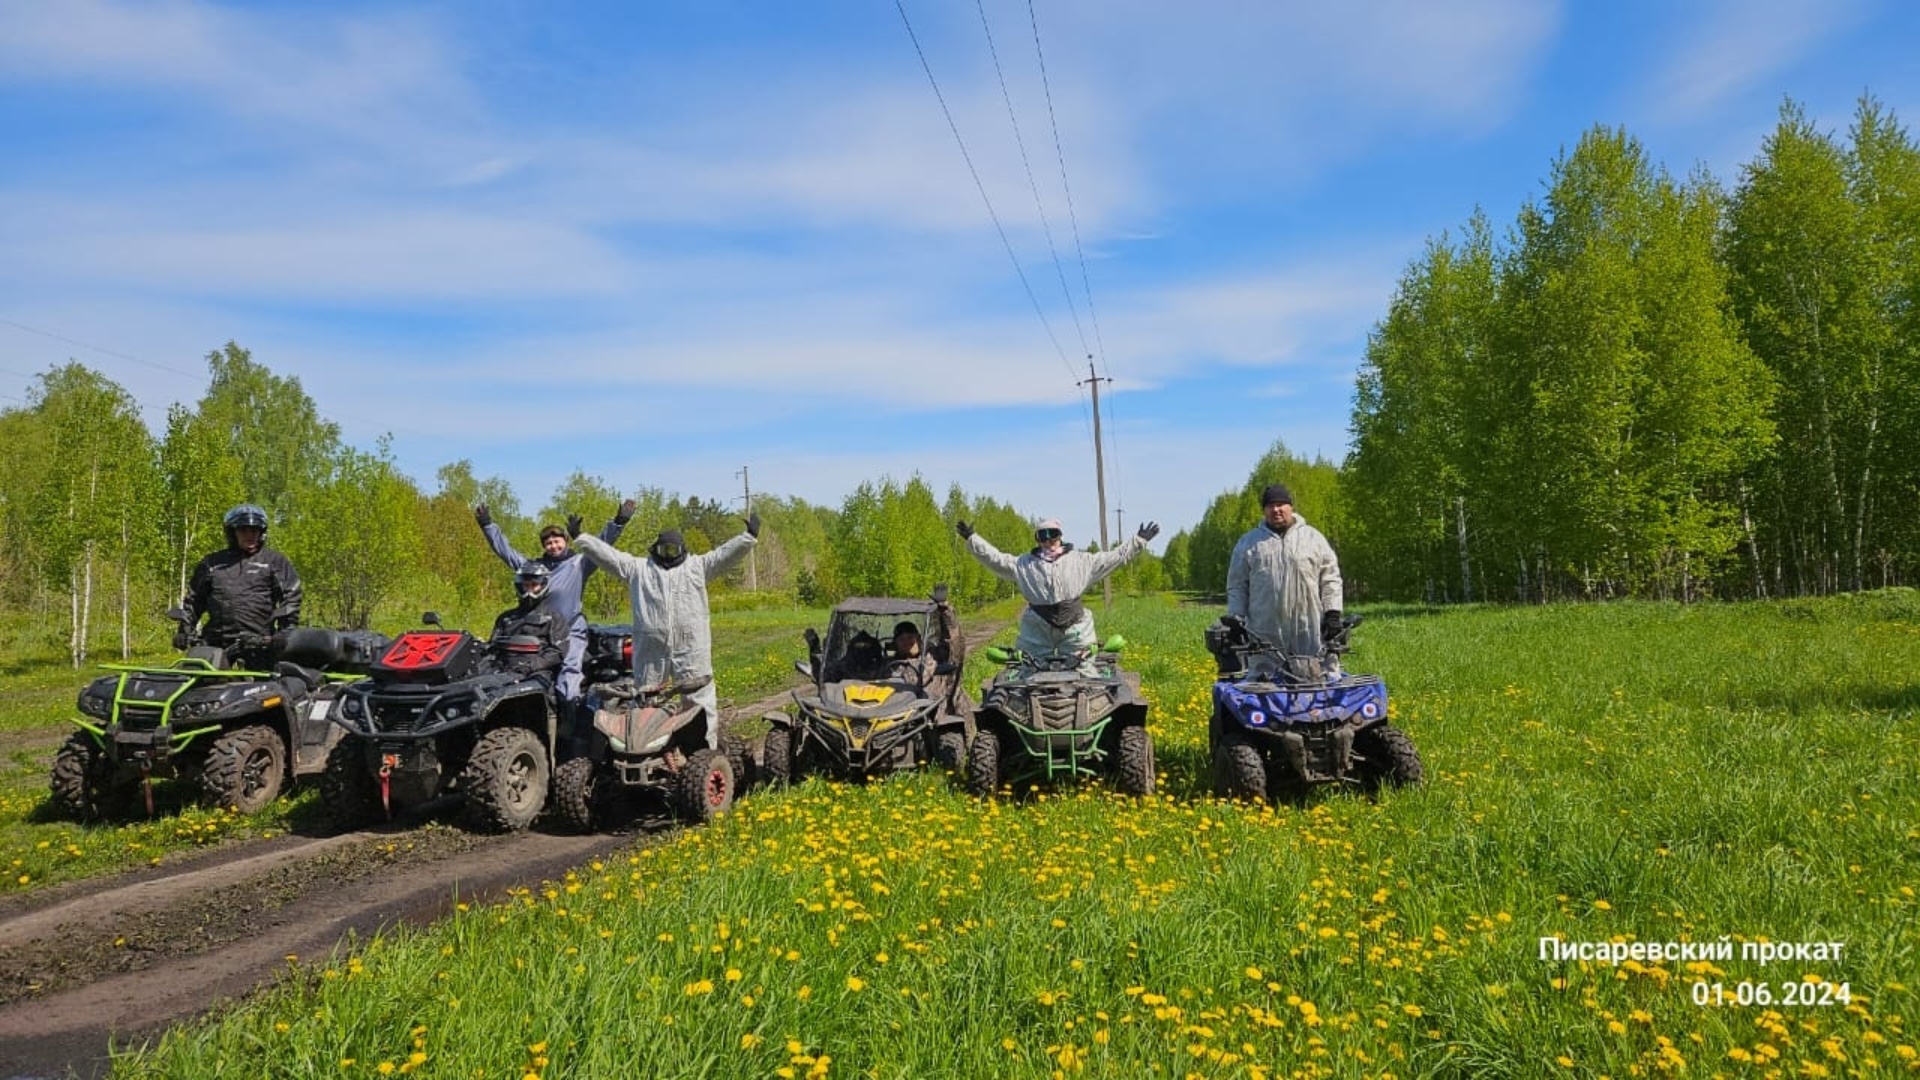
(954, 127)
(1073, 218)
(96, 348)
(1039, 204)
(103, 350)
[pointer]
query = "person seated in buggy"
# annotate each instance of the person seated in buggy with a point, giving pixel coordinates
(529, 639)
(865, 658)
(906, 641)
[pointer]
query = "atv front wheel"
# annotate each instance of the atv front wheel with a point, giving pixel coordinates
(1238, 772)
(776, 757)
(245, 769)
(82, 781)
(983, 763)
(505, 780)
(576, 786)
(1387, 757)
(705, 789)
(950, 751)
(1133, 773)
(349, 796)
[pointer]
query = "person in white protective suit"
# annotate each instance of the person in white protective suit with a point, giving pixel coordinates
(1052, 577)
(1284, 580)
(671, 639)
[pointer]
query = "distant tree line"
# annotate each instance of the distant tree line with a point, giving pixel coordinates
(1647, 386)
(102, 520)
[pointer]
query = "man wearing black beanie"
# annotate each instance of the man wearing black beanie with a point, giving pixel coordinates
(1284, 579)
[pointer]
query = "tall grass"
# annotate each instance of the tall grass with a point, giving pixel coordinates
(1630, 772)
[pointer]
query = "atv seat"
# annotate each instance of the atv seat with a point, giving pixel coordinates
(312, 647)
(297, 676)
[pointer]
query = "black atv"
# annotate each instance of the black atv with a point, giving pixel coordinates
(442, 713)
(1043, 719)
(644, 739)
(1285, 723)
(869, 713)
(244, 736)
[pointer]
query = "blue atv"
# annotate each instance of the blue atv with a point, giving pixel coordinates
(1283, 723)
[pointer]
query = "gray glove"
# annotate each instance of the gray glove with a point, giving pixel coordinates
(625, 513)
(573, 526)
(1148, 531)
(753, 525)
(482, 515)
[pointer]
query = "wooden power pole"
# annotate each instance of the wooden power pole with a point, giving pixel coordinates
(1099, 467)
(753, 569)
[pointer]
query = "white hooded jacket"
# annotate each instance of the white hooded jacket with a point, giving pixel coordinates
(672, 641)
(1053, 582)
(1281, 583)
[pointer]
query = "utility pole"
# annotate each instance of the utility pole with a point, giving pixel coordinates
(753, 569)
(1099, 466)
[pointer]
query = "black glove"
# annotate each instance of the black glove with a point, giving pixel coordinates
(625, 513)
(940, 593)
(1148, 531)
(965, 530)
(482, 515)
(753, 525)
(1331, 628)
(573, 526)
(182, 639)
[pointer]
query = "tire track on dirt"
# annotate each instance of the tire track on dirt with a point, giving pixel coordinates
(201, 938)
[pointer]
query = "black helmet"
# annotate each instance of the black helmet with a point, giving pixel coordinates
(531, 580)
(244, 516)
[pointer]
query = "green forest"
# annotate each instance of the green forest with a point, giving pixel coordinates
(1644, 386)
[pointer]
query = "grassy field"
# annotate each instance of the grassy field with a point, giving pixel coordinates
(1601, 774)
(753, 656)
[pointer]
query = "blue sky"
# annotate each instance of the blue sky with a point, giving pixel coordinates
(660, 242)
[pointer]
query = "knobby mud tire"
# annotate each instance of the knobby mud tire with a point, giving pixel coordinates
(740, 756)
(246, 769)
(506, 780)
(576, 789)
(776, 757)
(1388, 758)
(82, 790)
(983, 763)
(950, 752)
(705, 787)
(1238, 772)
(349, 794)
(1133, 772)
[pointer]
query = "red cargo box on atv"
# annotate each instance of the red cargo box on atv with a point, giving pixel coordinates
(428, 656)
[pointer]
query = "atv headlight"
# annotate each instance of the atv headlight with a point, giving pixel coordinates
(193, 710)
(96, 699)
(352, 707)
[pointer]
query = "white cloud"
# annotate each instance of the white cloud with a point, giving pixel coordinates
(343, 74)
(1732, 46)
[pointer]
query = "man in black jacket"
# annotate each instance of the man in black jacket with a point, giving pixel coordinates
(246, 590)
(530, 638)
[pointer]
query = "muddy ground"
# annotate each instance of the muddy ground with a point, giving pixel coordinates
(107, 963)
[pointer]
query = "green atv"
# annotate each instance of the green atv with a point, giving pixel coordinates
(243, 736)
(1042, 719)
